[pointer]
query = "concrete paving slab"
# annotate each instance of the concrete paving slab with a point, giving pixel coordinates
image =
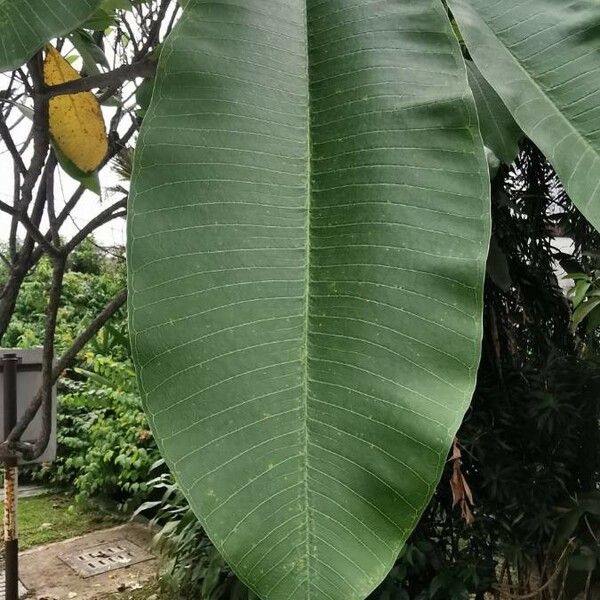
(47, 577)
(28, 491)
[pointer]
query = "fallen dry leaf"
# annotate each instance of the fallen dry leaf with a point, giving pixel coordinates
(461, 492)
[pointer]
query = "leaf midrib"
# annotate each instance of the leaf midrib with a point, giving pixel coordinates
(307, 225)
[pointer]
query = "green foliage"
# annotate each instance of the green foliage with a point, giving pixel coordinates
(306, 315)
(90, 282)
(529, 442)
(585, 297)
(104, 446)
(541, 58)
(88, 259)
(531, 438)
(105, 449)
(26, 25)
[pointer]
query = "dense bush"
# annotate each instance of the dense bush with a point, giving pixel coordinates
(91, 280)
(105, 449)
(104, 446)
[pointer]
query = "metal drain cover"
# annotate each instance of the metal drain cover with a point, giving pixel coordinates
(105, 557)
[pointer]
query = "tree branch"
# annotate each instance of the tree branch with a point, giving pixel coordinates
(91, 330)
(10, 145)
(14, 223)
(43, 399)
(100, 219)
(41, 137)
(50, 201)
(154, 32)
(141, 68)
(22, 260)
(46, 390)
(33, 231)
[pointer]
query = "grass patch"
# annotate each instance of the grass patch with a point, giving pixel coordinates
(54, 517)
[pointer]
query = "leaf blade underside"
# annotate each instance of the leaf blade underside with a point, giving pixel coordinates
(26, 25)
(498, 128)
(541, 57)
(307, 233)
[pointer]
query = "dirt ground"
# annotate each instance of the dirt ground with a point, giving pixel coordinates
(47, 577)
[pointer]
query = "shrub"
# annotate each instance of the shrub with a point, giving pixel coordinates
(85, 293)
(104, 445)
(105, 448)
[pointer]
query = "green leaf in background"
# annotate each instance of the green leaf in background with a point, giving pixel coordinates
(105, 16)
(578, 292)
(500, 132)
(583, 310)
(112, 5)
(308, 230)
(26, 25)
(143, 96)
(101, 20)
(90, 181)
(593, 320)
(542, 58)
(91, 54)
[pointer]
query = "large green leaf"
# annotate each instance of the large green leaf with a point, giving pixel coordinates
(542, 57)
(308, 228)
(500, 132)
(25, 25)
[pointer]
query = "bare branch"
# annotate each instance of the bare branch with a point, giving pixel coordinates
(43, 399)
(10, 144)
(50, 202)
(41, 137)
(21, 261)
(130, 34)
(46, 390)
(142, 68)
(154, 33)
(33, 231)
(100, 219)
(14, 223)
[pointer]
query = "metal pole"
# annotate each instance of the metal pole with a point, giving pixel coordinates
(11, 538)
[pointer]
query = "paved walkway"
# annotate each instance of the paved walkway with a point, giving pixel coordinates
(27, 491)
(66, 570)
